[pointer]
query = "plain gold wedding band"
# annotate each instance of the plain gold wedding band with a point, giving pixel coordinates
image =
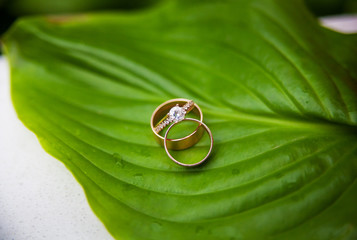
(200, 125)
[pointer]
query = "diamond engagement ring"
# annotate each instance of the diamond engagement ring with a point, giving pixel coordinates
(173, 111)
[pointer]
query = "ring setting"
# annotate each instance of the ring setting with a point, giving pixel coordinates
(175, 114)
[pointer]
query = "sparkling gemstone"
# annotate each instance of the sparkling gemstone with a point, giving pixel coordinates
(177, 113)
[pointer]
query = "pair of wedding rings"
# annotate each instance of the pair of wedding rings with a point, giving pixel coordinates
(173, 112)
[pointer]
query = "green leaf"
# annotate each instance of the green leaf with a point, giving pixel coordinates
(277, 90)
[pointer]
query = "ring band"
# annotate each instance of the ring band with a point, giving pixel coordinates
(160, 119)
(200, 124)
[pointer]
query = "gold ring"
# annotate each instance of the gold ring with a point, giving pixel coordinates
(200, 124)
(174, 111)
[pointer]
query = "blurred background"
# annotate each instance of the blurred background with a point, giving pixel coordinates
(12, 9)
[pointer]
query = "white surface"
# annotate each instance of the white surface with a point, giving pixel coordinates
(39, 197)
(341, 23)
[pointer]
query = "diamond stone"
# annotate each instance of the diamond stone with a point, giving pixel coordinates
(177, 113)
